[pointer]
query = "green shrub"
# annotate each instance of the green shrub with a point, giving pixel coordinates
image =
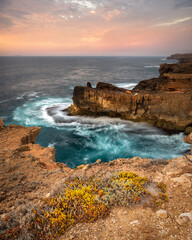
(86, 200)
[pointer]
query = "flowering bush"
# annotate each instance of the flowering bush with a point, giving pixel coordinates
(86, 200)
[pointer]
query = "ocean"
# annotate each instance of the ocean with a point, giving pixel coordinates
(29, 86)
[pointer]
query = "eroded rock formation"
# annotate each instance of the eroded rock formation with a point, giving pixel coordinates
(165, 102)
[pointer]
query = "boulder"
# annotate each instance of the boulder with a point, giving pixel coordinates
(184, 218)
(184, 181)
(161, 213)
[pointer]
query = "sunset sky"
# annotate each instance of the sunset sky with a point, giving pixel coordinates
(95, 27)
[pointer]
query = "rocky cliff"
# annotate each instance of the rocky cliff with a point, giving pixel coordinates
(181, 57)
(164, 102)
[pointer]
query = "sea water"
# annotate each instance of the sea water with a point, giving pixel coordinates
(34, 91)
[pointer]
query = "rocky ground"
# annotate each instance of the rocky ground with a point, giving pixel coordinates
(172, 221)
(29, 174)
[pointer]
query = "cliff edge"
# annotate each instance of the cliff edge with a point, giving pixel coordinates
(34, 190)
(164, 102)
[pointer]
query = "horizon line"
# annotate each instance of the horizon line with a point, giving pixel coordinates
(83, 55)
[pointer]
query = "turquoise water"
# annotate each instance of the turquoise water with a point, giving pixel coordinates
(35, 90)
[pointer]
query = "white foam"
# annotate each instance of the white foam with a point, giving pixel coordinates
(20, 97)
(72, 87)
(126, 85)
(51, 144)
(30, 96)
(35, 112)
(154, 66)
(33, 94)
(3, 117)
(49, 112)
(99, 135)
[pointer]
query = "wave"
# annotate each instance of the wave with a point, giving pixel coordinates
(72, 87)
(49, 112)
(86, 139)
(128, 86)
(52, 144)
(152, 66)
(28, 96)
(3, 101)
(34, 112)
(3, 117)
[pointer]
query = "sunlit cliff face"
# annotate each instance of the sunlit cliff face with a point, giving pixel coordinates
(95, 27)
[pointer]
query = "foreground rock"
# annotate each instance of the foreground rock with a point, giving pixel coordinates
(164, 102)
(29, 174)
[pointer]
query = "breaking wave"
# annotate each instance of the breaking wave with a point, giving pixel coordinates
(128, 86)
(81, 140)
(29, 96)
(155, 66)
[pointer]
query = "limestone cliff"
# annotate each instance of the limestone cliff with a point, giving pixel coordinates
(164, 102)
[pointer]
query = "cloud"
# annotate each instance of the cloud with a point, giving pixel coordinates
(79, 3)
(84, 3)
(111, 14)
(5, 23)
(183, 4)
(4, 3)
(129, 12)
(173, 22)
(95, 23)
(19, 14)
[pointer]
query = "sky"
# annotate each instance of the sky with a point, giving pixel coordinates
(95, 27)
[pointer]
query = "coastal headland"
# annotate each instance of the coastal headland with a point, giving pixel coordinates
(164, 102)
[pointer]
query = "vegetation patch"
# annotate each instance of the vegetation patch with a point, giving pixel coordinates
(162, 186)
(24, 148)
(124, 189)
(88, 199)
(12, 229)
